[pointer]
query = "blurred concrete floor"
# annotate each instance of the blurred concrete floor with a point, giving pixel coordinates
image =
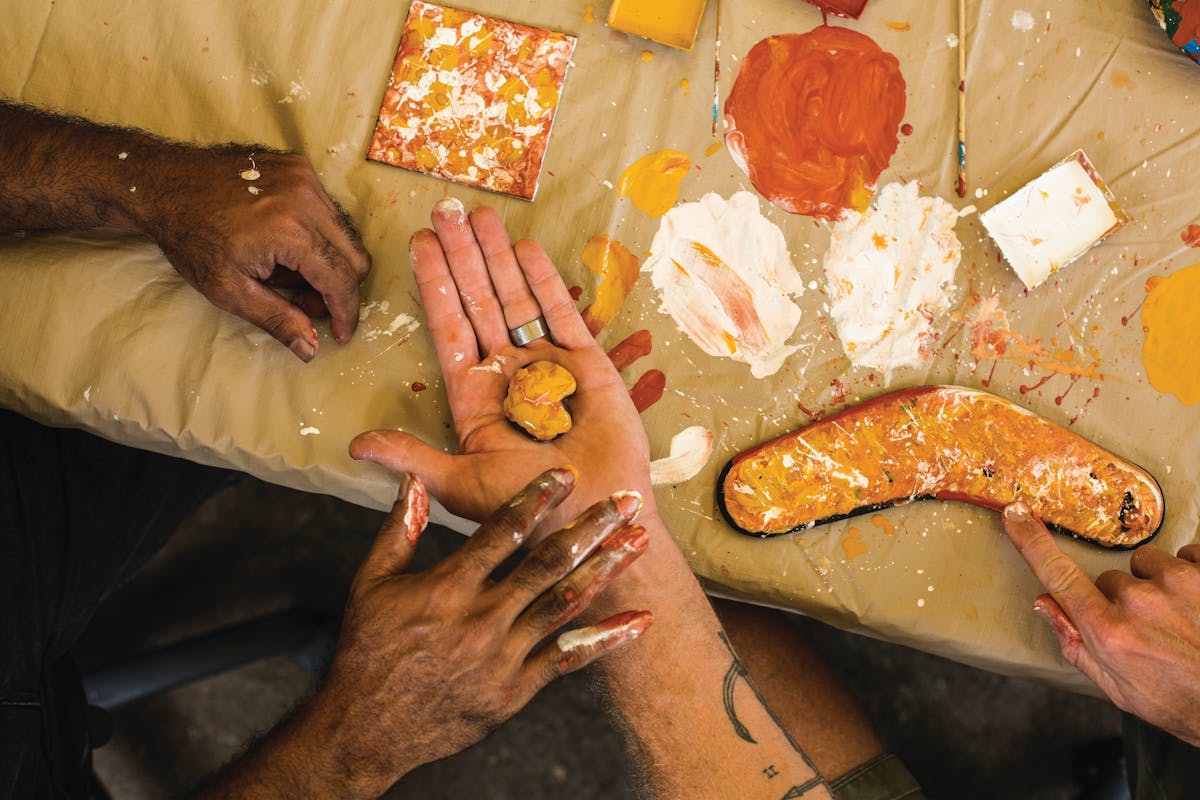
(257, 548)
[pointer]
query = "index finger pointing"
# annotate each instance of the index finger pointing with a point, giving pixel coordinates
(1067, 583)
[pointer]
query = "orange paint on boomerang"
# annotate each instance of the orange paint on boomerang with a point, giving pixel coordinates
(813, 119)
(618, 271)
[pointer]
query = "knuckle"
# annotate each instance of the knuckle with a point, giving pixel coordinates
(551, 558)
(1180, 573)
(1061, 572)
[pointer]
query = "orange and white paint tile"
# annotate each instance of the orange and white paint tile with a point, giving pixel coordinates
(472, 99)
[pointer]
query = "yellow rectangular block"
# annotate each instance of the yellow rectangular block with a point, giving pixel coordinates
(669, 22)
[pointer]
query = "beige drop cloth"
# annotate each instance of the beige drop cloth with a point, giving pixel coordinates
(98, 332)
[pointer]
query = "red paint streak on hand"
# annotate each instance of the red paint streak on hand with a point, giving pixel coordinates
(1191, 236)
(633, 347)
(648, 390)
(814, 117)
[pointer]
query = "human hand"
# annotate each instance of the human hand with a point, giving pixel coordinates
(428, 664)
(1137, 636)
(475, 285)
(233, 236)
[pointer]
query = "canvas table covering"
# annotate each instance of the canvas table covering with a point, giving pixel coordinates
(97, 332)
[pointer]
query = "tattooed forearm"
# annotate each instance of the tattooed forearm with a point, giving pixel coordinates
(737, 675)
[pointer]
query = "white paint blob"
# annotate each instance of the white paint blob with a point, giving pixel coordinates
(690, 451)
(1022, 20)
(725, 276)
(887, 273)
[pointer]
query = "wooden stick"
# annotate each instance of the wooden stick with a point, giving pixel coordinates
(962, 98)
(717, 72)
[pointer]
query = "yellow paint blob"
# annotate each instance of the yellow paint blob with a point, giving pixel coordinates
(685, 84)
(589, 13)
(670, 22)
(535, 399)
(618, 271)
(1171, 321)
(652, 182)
(853, 545)
(714, 148)
(647, 55)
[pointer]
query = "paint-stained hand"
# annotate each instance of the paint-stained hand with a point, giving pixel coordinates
(475, 285)
(235, 222)
(1135, 634)
(429, 663)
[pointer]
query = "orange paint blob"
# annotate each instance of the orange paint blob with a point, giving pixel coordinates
(647, 55)
(882, 522)
(1171, 321)
(685, 84)
(1191, 236)
(589, 13)
(618, 271)
(813, 119)
(648, 390)
(899, 25)
(713, 149)
(853, 545)
(652, 182)
(1120, 80)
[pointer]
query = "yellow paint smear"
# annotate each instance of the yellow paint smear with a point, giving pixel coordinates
(853, 545)
(589, 13)
(669, 22)
(652, 182)
(1171, 321)
(899, 25)
(618, 271)
(685, 84)
(714, 148)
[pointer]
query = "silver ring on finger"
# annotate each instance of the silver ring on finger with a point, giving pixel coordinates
(529, 332)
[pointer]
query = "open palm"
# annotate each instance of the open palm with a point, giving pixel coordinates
(475, 285)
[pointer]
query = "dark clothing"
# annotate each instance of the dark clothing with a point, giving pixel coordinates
(78, 516)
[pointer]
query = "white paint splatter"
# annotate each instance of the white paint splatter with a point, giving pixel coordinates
(87, 395)
(253, 190)
(952, 40)
(725, 276)
(690, 450)
(887, 272)
(1022, 20)
(309, 431)
(297, 91)
(122, 156)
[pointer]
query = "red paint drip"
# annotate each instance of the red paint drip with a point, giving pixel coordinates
(1088, 402)
(417, 386)
(991, 375)
(1059, 400)
(1132, 314)
(648, 390)
(576, 292)
(1191, 236)
(630, 349)
(906, 129)
(1027, 389)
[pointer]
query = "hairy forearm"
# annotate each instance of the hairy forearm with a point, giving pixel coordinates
(698, 723)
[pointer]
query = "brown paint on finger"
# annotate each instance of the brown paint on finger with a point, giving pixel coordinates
(630, 349)
(648, 390)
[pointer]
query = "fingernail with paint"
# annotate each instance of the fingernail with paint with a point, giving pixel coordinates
(303, 349)
(628, 503)
(566, 476)
(450, 207)
(1016, 512)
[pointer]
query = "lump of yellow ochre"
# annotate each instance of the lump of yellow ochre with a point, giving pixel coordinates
(535, 399)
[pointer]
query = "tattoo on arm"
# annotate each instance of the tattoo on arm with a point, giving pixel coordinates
(737, 672)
